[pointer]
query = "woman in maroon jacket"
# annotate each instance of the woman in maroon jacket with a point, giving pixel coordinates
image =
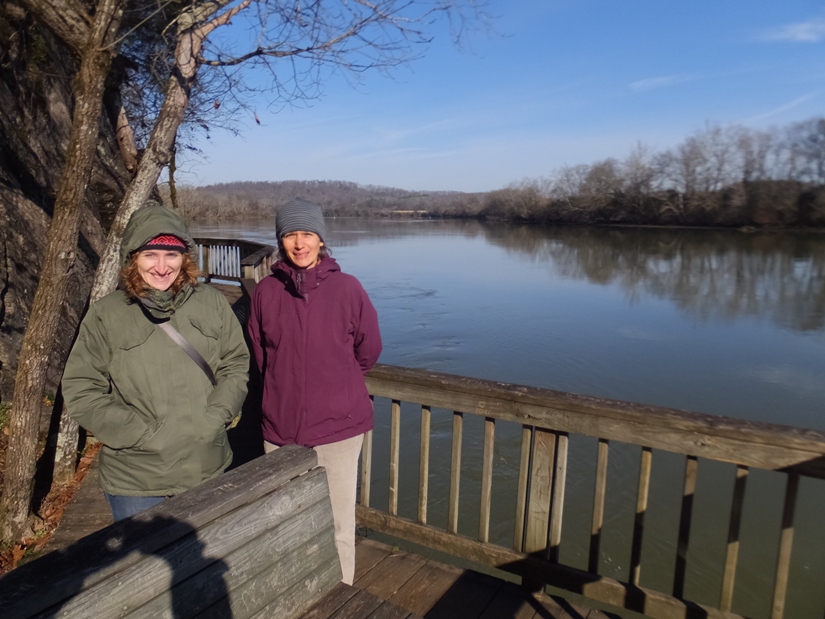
(314, 334)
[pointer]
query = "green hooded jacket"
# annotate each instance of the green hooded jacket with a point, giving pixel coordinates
(162, 423)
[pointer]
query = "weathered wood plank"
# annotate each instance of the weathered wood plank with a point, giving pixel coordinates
(521, 489)
(538, 493)
(557, 506)
(166, 567)
(651, 603)
(87, 513)
(734, 528)
(455, 472)
(597, 520)
(388, 576)
(333, 601)
(121, 545)
(369, 554)
(685, 519)
(749, 443)
(468, 597)
(424, 465)
(359, 606)
(421, 592)
(642, 495)
(296, 600)
(347, 602)
(395, 454)
(513, 602)
(291, 549)
(486, 480)
(366, 469)
(391, 611)
(783, 564)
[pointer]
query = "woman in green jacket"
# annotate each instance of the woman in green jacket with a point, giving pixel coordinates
(162, 420)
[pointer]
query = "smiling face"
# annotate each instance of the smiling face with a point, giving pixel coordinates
(159, 268)
(302, 248)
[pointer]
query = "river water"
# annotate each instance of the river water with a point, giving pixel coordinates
(719, 322)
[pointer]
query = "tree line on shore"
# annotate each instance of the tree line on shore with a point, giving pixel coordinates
(719, 176)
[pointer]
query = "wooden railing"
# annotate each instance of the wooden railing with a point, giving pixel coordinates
(547, 420)
(234, 260)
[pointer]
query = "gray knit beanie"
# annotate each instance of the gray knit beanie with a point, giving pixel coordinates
(300, 214)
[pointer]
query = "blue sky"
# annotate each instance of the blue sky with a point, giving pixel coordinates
(559, 82)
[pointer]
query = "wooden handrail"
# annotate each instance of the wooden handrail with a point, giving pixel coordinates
(749, 443)
(547, 419)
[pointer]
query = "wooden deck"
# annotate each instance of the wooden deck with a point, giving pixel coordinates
(390, 583)
(428, 588)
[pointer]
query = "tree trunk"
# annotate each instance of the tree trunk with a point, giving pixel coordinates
(60, 257)
(173, 188)
(158, 151)
(68, 436)
(65, 449)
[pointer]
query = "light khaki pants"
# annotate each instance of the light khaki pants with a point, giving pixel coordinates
(341, 463)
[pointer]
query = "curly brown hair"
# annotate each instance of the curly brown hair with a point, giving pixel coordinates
(134, 286)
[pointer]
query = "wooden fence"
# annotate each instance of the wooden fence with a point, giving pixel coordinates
(547, 421)
(234, 260)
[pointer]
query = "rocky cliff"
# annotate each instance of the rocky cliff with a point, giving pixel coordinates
(36, 71)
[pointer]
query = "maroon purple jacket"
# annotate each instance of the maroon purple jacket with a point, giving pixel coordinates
(314, 334)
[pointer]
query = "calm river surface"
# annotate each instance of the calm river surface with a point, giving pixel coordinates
(718, 322)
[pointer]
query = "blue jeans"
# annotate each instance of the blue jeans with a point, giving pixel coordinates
(125, 506)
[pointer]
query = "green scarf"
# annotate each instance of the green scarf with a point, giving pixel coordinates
(162, 303)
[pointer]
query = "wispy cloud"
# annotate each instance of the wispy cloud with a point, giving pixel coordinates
(786, 107)
(811, 31)
(652, 83)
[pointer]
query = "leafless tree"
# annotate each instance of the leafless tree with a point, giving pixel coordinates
(96, 52)
(296, 45)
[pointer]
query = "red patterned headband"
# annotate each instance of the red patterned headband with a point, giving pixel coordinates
(165, 241)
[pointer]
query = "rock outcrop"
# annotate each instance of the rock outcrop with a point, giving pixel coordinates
(36, 71)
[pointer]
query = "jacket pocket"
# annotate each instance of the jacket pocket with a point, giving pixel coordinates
(206, 328)
(206, 340)
(137, 337)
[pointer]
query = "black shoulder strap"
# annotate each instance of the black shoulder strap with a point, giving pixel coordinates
(188, 349)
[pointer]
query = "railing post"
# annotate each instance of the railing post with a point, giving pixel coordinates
(424, 465)
(732, 554)
(539, 491)
(599, 494)
(366, 464)
(521, 492)
(395, 454)
(642, 494)
(688, 496)
(557, 506)
(783, 563)
(366, 469)
(486, 480)
(455, 472)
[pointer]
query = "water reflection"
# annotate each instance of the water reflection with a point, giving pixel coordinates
(709, 274)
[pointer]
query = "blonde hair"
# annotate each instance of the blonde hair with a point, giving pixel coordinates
(133, 284)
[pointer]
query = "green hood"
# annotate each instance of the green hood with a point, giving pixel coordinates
(147, 223)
